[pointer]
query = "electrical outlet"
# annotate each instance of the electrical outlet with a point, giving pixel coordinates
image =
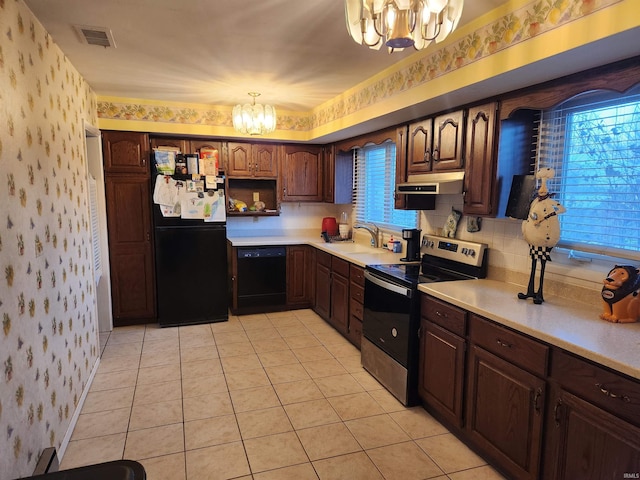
(256, 196)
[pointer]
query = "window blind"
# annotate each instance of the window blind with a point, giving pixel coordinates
(374, 184)
(95, 229)
(593, 144)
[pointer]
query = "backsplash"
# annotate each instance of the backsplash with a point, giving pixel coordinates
(49, 340)
(509, 258)
(293, 216)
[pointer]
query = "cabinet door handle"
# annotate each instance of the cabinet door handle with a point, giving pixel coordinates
(427, 156)
(557, 412)
(503, 344)
(609, 393)
(536, 400)
(436, 155)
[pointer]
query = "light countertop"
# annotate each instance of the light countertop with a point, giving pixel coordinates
(357, 253)
(562, 322)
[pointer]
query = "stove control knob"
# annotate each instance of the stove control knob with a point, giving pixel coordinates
(472, 252)
(465, 251)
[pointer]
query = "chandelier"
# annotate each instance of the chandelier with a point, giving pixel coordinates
(254, 118)
(401, 23)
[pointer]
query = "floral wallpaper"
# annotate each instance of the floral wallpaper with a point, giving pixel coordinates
(49, 338)
(534, 18)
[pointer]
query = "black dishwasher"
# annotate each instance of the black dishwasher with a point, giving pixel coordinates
(262, 277)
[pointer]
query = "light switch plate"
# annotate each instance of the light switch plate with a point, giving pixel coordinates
(256, 196)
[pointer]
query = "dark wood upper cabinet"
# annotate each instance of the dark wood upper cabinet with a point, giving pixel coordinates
(252, 160)
(125, 152)
(400, 201)
(448, 137)
(337, 176)
(481, 160)
(240, 159)
(179, 143)
(435, 144)
(419, 147)
(265, 160)
(196, 145)
(301, 173)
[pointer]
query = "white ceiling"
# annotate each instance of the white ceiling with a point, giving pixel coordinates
(296, 53)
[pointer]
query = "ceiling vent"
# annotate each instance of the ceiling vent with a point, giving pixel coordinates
(99, 36)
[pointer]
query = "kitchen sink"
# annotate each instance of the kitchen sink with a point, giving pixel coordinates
(351, 248)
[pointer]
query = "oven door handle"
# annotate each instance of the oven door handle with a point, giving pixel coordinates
(387, 285)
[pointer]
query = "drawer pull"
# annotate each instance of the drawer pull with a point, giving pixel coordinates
(557, 413)
(503, 344)
(536, 400)
(605, 391)
(440, 314)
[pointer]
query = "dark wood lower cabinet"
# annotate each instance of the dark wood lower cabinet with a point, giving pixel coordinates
(339, 302)
(132, 280)
(299, 276)
(332, 291)
(505, 408)
(128, 200)
(356, 304)
(441, 371)
(585, 442)
(322, 305)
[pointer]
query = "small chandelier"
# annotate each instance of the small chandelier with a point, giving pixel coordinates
(254, 119)
(401, 23)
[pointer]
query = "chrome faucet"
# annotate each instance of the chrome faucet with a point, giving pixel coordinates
(373, 230)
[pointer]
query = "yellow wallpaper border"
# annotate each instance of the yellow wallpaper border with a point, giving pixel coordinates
(524, 23)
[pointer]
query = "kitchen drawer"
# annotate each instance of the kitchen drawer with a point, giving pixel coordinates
(444, 314)
(339, 266)
(355, 331)
(356, 308)
(323, 258)
(357, 292)
(512, 346)
(357, 275)
(609, 390)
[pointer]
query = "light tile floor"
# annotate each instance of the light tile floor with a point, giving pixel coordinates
(270, 396)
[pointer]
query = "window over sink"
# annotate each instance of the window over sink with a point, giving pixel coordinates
(374, 185)
(593, 143)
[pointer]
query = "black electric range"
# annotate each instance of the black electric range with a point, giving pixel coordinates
(443, 259)
(391, 315)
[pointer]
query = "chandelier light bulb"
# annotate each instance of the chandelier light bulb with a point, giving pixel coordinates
(399, 24)
(254, 118)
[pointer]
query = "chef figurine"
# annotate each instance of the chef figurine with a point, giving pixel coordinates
(541, 230)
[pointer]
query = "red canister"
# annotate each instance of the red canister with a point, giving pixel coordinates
(330, 225)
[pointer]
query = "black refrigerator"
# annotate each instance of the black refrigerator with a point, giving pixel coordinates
(191, 262)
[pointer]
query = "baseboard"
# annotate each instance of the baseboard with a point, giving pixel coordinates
(76, 413)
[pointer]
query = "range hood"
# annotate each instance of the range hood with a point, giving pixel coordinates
(432, 184)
